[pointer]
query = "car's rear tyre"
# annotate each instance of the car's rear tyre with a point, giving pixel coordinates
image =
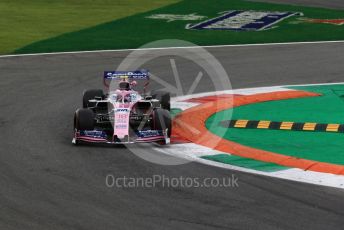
(89, 95)
(84, 119)
(164, 98)
(162, 120)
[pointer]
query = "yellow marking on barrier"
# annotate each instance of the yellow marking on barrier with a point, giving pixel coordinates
(263, 124)
(241, 124)
(332, 128)
(286, 125)
(309, 126)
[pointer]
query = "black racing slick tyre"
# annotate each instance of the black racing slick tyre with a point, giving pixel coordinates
(162, 120)
(164, 98)
(89, 95)
(84, 119)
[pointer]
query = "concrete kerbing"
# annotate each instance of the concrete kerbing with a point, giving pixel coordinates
(295, 174)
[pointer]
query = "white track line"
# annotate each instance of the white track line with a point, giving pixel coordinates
(245, 91)
(165, 48)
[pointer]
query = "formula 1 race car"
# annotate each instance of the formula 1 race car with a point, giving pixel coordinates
(123, 115)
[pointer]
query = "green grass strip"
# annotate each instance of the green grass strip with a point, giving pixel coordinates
(137, 30)
(27, 21)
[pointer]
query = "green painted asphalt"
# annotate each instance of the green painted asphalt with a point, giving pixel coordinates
(175, 111)
(245, 162)
(323, 147)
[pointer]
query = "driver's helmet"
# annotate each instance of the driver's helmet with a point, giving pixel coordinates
(124, 84)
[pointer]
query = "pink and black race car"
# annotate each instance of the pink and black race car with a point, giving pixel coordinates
(123, 115)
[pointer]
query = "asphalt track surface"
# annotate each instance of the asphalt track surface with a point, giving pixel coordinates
(47, 183)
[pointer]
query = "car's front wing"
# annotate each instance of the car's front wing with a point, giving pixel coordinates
(98, 136)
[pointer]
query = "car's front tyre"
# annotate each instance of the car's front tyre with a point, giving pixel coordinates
(84, 119)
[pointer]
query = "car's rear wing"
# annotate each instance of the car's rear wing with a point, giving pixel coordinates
(133, 75)
(130, 75)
